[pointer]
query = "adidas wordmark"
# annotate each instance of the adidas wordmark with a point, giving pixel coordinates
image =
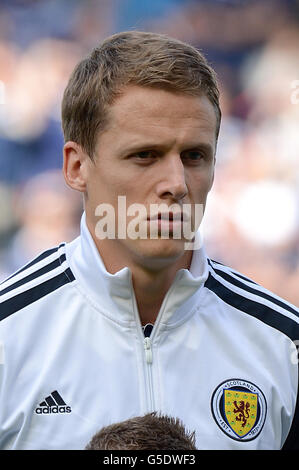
(53, 404)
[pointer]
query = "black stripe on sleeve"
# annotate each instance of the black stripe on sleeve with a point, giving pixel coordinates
(45, 269)
(42, 256)
(258, 310)
(16, 303)
(233, 272)
(238, 275)
(254, 291)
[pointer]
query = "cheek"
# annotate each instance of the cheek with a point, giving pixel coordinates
(106, 186)
(201, 184)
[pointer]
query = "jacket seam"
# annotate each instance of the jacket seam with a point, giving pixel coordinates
(187, 317)
(95, 306)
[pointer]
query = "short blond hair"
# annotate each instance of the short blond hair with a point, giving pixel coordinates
(137, 58)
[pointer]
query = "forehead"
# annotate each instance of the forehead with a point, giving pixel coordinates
(151, 111)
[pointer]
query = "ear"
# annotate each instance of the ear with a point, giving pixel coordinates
(75, 166)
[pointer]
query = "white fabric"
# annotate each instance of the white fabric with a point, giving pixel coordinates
(85, 340)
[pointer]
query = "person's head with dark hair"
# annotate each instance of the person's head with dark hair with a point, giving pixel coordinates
(148, 432)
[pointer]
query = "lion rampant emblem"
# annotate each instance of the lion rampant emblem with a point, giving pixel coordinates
(240, 410)
(243, 412)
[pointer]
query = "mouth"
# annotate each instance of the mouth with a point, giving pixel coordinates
(169, 217)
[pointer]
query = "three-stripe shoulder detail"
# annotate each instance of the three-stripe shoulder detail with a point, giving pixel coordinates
(46, 273)
(245, 295)
(225, 271)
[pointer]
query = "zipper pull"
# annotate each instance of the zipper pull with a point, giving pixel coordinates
(148, 350)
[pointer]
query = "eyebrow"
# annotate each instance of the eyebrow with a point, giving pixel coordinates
(154, 146)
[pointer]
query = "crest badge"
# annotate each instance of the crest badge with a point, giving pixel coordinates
(239, 408)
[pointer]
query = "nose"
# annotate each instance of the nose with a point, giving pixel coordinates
(172, 183)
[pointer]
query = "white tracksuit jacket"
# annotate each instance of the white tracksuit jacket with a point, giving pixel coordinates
(221, 356)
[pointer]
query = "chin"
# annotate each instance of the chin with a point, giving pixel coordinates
(159, 252)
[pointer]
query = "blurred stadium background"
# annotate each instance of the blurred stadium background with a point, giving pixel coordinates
(252, 217)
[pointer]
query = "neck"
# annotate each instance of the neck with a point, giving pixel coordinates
(150, 288)
(150, 283)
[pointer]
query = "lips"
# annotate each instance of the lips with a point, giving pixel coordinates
(170, 216)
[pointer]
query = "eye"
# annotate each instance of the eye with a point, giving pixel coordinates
(192, 155)
(144, 156)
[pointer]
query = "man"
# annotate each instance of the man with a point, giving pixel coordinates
(141, 118)
(148, 432)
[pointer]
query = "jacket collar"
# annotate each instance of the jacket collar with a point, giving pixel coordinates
(114, 294)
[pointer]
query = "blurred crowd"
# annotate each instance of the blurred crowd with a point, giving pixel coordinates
(252, 216)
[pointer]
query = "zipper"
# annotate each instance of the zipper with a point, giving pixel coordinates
(147, 345)
(148, 350)
(149, 360)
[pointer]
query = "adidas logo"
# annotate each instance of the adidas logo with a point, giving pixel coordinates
(53, 404)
